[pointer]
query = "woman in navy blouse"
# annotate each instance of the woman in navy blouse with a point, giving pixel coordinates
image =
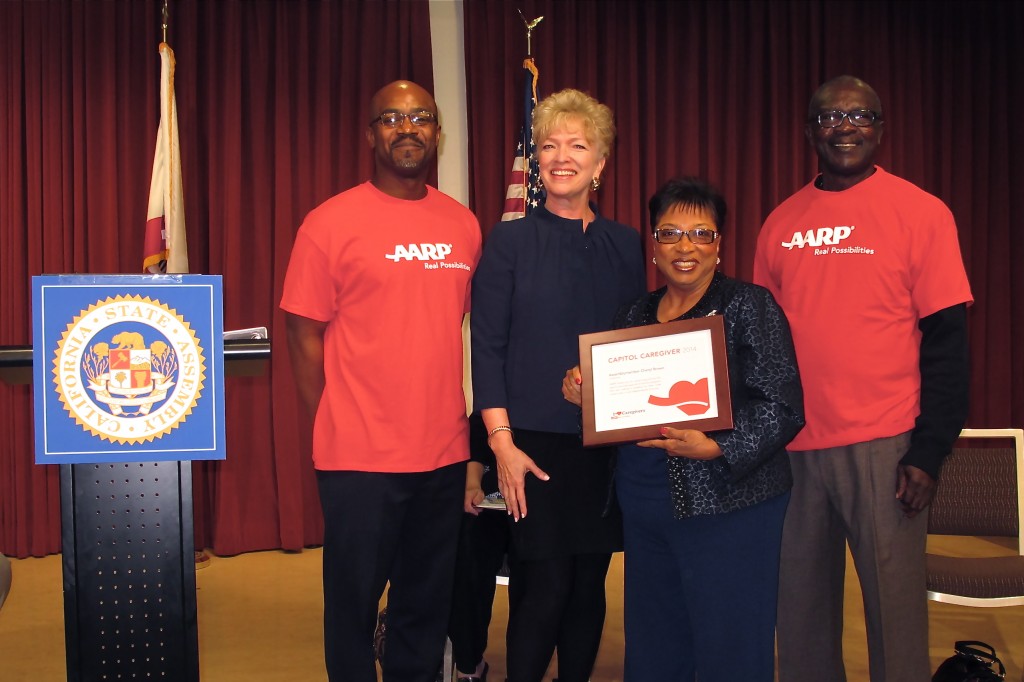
(562, 271)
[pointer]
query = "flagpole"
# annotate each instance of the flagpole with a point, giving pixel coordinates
(165, 17)
(530, 25)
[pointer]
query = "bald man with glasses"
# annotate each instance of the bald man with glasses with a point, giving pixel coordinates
(376, 292)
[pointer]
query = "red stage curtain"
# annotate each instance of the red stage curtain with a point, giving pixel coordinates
(271, 101)
(720, 90)
(272, 105)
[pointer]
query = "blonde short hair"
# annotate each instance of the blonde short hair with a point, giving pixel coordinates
(556, 110)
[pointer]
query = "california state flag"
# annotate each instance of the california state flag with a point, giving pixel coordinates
(165, 247)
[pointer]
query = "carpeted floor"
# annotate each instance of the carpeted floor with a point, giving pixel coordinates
(260, 619)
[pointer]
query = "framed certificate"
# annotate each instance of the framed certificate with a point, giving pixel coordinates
(639, 379)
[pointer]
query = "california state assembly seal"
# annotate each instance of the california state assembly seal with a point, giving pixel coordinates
(129, 369)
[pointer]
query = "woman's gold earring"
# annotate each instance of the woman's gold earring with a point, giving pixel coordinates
(654, 260)
(595, 183)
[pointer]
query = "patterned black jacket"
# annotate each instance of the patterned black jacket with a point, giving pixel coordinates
(767, 401)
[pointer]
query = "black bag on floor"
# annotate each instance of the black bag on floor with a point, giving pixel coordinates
(972, 662)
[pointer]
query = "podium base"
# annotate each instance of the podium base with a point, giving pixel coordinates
(129, 571)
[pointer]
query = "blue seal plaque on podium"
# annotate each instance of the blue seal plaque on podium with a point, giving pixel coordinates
(128, 368)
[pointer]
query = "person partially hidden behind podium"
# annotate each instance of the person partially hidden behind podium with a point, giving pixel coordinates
(376, 292)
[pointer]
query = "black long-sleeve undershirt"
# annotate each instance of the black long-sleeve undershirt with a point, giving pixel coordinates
(945, 379)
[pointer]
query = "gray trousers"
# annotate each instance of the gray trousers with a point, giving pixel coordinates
(848, 495)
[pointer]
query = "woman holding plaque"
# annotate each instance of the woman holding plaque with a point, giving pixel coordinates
(562, 271)
(703, 512)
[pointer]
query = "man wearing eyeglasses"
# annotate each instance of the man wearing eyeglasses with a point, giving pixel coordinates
(375, 293)
(867, 267)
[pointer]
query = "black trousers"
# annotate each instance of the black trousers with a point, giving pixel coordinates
(381, 528)
(483, 542)
(555, 603)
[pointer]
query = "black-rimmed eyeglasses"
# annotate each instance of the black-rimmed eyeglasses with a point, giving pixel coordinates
(393, 119)
(862, 118)
(672, 235)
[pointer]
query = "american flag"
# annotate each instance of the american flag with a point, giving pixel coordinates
(524, 190)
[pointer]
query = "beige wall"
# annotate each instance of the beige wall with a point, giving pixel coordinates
(450, 94)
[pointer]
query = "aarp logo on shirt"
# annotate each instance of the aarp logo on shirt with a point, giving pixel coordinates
(823, 236)
(423, 252)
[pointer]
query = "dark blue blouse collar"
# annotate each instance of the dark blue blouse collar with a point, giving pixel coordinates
(547, 216)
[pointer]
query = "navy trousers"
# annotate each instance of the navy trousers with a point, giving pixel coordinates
(700, 593)
(381, 528)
